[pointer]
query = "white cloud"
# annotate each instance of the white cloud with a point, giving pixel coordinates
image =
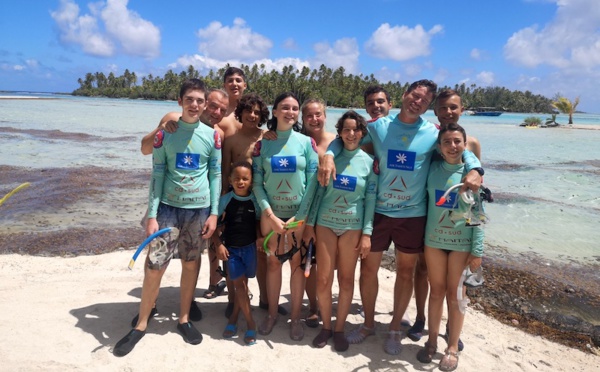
(239, 41)
(290, 44)
(204, 64)
(9, 67)
(126, 28)
(476, 54)
(485, 78)
(344, 52)
(571, 39)
(137, 36)
(401, 43)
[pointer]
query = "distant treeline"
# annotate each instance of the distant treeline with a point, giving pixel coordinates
(336, 87)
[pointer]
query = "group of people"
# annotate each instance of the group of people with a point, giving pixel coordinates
(296, 193)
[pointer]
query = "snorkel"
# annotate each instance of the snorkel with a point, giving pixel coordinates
(288, 226)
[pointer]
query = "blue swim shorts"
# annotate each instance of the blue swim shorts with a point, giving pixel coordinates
(242, 261)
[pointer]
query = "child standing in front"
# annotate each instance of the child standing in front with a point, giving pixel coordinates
(184, 193)
(451, 245)
(239, 215)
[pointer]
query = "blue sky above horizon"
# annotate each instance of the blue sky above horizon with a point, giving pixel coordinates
(544, 46)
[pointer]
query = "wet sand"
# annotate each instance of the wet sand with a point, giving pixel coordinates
(91, 211)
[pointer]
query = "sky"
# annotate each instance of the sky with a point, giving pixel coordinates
(548, 47)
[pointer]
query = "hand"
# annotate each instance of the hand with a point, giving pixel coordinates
(309, 234)
(472, 181)
(364, 246)
(222, 253)
(473, 262)
(170, 126)
(270, 135)
(209, 226)
(151, 226)
(276, 224)
(326, 169)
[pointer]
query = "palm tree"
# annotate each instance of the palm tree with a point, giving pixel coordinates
(565, 106)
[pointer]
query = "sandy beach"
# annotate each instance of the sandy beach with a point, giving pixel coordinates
(69, 312)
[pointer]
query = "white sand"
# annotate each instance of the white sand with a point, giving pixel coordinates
(66, 314)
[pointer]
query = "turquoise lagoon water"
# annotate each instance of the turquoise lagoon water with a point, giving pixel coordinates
(546, 181)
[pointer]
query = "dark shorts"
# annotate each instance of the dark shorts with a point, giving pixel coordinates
(242, 261)
(407, 233)
(189, 245)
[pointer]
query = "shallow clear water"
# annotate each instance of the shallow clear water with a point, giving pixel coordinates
(546, 181)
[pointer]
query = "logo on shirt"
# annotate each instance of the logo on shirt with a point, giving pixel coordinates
(217, 140)
(450, 199)
(283, 164)
(158, 139)
(398, 184)
(341, 202)
(401, 160)
(343, 182)
(187, 161)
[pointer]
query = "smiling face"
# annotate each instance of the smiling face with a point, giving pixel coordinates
(313, 118)
(351, 134)
(452, 145)
(235, 85)
(416, 103)
(251, 117)
(192, 104)
(216, 108)
(286, 113)
(241, 180)
(448, 110)
(377, 105)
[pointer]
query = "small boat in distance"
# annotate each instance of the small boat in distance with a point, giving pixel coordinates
(484, 111)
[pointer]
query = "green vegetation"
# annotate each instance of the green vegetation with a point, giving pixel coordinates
(565, 106)
(532, 121)
(335, 86)
(551, 121)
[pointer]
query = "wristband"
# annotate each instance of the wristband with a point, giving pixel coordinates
(479, 170)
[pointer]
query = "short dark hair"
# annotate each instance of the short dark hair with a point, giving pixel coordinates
(234, 71)
(361, 123)
(241, 163)
(247, 102)
(430, 85)
(372, 89)
(192, 84)
(452, 127)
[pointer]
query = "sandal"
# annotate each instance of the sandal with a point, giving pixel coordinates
(448, 363)
(425, 355)
(392, 345)
(296, 330)
(215, 291)
(321, 340)
(250, 337)
(230, 331)
(340, 343)
(267, 325)
(360, 334)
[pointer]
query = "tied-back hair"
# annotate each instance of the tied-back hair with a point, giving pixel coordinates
(272, 123)
(247, 102)
(310, 101)
(452, 127)
(361, 123)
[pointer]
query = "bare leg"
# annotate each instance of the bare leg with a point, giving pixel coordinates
(456, 265)
(347, 258)
(189, 278)
(405, 266)
(437, 260)
(150, 288)
(327, 246)
(421, 286)
(297, 280)
(369, 286)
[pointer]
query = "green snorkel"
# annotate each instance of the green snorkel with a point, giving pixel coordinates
(290, 225)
